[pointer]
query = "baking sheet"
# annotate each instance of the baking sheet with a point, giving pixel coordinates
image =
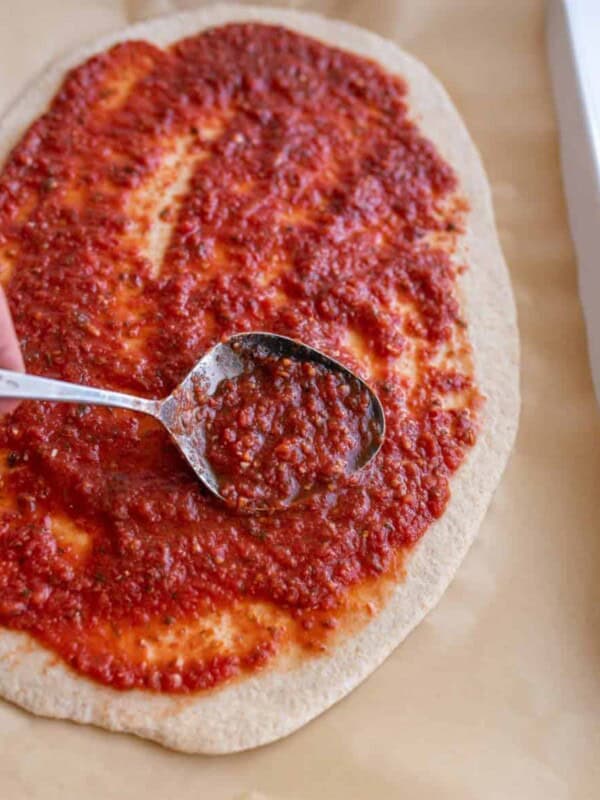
(574, 59)
(497, 693)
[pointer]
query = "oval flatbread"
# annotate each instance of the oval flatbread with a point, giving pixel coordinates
(247, 697)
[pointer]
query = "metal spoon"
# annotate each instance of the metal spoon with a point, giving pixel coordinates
(177, 411)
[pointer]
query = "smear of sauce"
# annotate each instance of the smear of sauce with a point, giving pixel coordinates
(247, 178)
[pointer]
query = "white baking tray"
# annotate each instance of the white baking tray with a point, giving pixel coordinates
(573, 35)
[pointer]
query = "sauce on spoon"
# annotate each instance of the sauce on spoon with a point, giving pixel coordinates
(284, 428)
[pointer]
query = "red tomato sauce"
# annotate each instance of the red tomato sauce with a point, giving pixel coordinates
(312, 207)
(284, 428)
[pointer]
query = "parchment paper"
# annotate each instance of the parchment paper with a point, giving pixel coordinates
(497, 694)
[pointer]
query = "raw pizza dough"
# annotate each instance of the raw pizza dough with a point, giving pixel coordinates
(272, 704)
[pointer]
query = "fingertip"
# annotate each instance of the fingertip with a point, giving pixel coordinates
(7, 406)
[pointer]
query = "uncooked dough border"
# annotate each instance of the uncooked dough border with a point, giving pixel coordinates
(272, 704)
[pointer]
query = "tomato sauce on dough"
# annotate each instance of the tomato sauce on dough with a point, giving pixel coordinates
(246, 178)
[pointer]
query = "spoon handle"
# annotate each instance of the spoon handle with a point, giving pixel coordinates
(32, 387)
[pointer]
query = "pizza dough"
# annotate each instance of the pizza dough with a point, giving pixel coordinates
(272, 704)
